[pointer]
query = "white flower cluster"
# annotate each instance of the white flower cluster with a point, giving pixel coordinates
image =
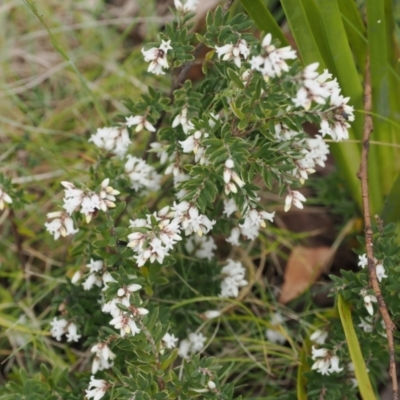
(233, 51)
(193, 145)
(61, 225)
(229, 176)
(102, 356)
(182, 119)
(315, 153)
(193, 344)
(87, 201)
(274, 335)
(320, 89)
(141, 122)
(98, 276)
(202, 246)
(187, 6)
(380, 269)
(155, 242)
(273, 60)
(125, 320)
(141, 174)
(296, 198)
(4, 198)
(325, 362)
(161, 152)
(232, 279)
(169, 340)
(113, 139)
(97, 388)
(157, 56)
(253, 221)
(61, 326)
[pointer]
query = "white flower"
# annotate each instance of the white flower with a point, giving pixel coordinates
(191, 220)
(58, 327)
(211, 314)
(319, 336)
(4, 198)
(161, 152)
(102, 355)
(202, 246)
(170, 341)
(184, 348)
(366, 324)
(76, 277)
(368, 300)
(253, 220)
(72, 333)
(326, 362)
(211, 385)
(97, 388)
(192, 143)
(193, 344)
(233, 51)
(89, 202)
(230, 175)
(61, 225)
(196, 341)
(188, 6)
(233, 278)
(140, 122)
(141, 174)
(272, 63)
(233, 238)
(284, 133)
(335, 365)
(380, 272)
(362, 261)
(274, 335)
(112, 139)
(295, 198)
(182, 119)
(157, 57)
(126, 324)
(229, 207)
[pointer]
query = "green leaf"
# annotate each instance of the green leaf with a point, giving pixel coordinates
(360, 369)
(300, 27)
(378, 51)
(356, 31)
(235, 78)
(265, 22)
(118, 210)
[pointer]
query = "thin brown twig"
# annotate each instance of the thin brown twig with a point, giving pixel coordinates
(363, 176)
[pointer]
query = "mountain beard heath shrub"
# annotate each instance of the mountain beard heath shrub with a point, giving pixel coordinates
(210, 147)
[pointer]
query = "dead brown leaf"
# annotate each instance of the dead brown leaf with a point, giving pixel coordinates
(303, 268)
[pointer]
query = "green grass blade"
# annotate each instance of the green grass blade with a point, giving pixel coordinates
(360, 370)
(302, 32)
(263, 19)
(350, 83)
(377, 46)
(356, 31)
(301, 380)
